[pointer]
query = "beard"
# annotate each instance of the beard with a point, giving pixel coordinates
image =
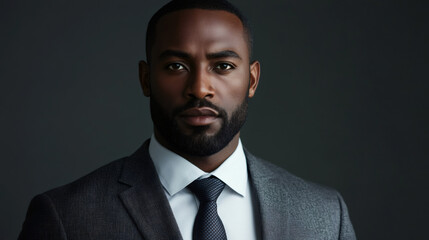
(198, 142)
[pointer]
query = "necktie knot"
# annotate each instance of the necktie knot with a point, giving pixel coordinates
(207, 189)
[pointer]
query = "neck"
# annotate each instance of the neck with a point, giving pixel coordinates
(206, 163)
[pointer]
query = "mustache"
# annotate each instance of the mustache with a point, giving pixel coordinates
(198, 103)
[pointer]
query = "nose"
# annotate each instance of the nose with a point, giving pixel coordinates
(200, 85)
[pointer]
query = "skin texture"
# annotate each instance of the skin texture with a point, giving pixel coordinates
(199, 55)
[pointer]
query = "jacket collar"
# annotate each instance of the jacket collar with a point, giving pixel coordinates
(269, 197)
(145, 199)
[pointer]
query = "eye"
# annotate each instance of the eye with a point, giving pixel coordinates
(224, 67)
(175, 67)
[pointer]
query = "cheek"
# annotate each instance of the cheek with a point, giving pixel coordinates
(233, 88)
(168, 92)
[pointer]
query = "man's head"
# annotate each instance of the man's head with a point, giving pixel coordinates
(199, 76)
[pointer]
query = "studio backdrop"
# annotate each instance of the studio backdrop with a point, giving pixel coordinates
(342, 100)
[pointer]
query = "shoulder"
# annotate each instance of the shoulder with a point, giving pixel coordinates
(261, 168)
(275, 184)
(92, 200)
(104, 180)
(97, 179)
(313, 210)
(51, 213)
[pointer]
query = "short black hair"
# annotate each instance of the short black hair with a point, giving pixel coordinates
(176, 5)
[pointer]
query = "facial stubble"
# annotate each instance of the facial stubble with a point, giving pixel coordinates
(198, 142)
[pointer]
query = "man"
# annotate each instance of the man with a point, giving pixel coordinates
(193, 179)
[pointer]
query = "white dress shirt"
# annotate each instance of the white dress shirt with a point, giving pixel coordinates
(234, 203)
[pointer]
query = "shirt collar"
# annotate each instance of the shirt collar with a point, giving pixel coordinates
(176, 173)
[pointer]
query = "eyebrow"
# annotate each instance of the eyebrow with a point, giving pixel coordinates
(180, 54)
(174, 53)
(223, 54)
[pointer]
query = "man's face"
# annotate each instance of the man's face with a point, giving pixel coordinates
(199, 80)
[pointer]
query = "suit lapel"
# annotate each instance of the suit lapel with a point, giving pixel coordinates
(147, 205)
(271, 199)
(145, 200)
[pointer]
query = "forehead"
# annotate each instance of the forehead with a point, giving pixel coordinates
(197, 29)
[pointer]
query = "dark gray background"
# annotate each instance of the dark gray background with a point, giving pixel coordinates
(341, 101)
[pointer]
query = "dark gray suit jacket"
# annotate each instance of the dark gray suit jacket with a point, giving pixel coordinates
(125, 200)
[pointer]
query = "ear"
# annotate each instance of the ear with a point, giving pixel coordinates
(255, 70)
(144, 77)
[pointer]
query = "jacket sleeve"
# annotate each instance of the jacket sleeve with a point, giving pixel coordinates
(42, 221)
(346, 228)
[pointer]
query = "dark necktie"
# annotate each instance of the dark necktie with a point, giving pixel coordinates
(207, 225)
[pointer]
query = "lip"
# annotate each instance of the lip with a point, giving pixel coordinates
(203, 111)
(199, 116)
